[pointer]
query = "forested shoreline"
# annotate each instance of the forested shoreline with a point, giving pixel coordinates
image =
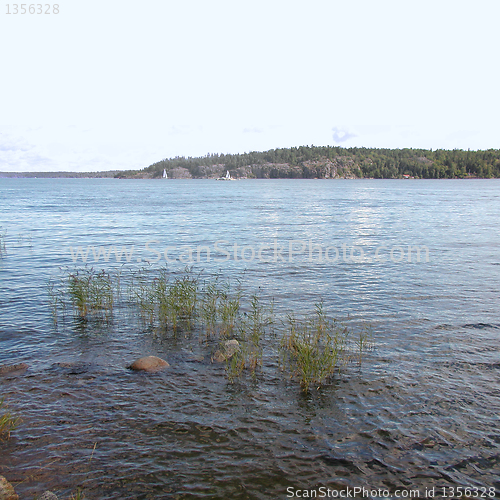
(330, 162)
(312, 162)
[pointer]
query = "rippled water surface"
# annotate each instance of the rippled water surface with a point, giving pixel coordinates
(421, 412)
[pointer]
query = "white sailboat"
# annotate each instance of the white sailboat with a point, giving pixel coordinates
(227, 177)
(164, 176)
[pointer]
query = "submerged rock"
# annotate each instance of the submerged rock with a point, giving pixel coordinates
(195, 358)
(48, 495)
(149, 364)
(73, 367)
(230, 347)
(12, 368)
(7, 490)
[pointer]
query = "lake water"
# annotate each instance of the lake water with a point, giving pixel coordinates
(422, 411)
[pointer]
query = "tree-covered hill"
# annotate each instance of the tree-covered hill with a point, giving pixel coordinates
(330, 162)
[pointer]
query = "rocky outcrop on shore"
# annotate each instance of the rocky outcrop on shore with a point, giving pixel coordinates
(7, 490)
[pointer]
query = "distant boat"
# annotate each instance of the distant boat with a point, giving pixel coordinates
(164, 176)
(227, 177)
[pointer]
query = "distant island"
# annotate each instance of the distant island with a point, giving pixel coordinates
(329, 162)
(313, 162)
(68, 175)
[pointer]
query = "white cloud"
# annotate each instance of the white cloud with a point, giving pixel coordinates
(341, 135)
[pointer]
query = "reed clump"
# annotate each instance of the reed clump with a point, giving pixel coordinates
(8, 422)
(91, 292)
(252, 328)
(178, 301)
(312, 349)
(219, 308)
(170, 303)
(142, 293)
(78, 495)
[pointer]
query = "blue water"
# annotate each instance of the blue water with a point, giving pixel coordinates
(422, 411)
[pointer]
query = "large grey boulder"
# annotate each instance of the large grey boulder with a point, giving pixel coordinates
(149, 364)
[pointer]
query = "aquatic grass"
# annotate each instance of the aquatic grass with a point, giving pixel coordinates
(141, 293)
(235, 365)
(313, 348)
(181, 299)
(246, 359)
(258, 318)
(219, 308)
(209, 306)
(228, 311)
(78, 495)
(91, 292)
(363, 342)
(251, 331)
(54, 299)
(310, 349)
(168, 303)
(175, 302)
(8, 422)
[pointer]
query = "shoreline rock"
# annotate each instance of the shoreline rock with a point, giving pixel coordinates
(231, 347)
(149, 364)
(7, 490)
(48, 495)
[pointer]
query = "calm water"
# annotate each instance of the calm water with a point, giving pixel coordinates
(421, 412)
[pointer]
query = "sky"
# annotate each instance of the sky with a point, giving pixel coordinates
(115, 85)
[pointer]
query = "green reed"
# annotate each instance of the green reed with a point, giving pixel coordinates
(310, 349)
(228, 311)
(313, 348)
(91, 292)
(7, 421)
(168, 303)
(235, 365)
(363, 342)
(142, 294)
(258, 318)
(219, 308)
(209, 306)
(248, 358)
(54, 298)
(182, 298)
(78, 495)
(251, 330)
